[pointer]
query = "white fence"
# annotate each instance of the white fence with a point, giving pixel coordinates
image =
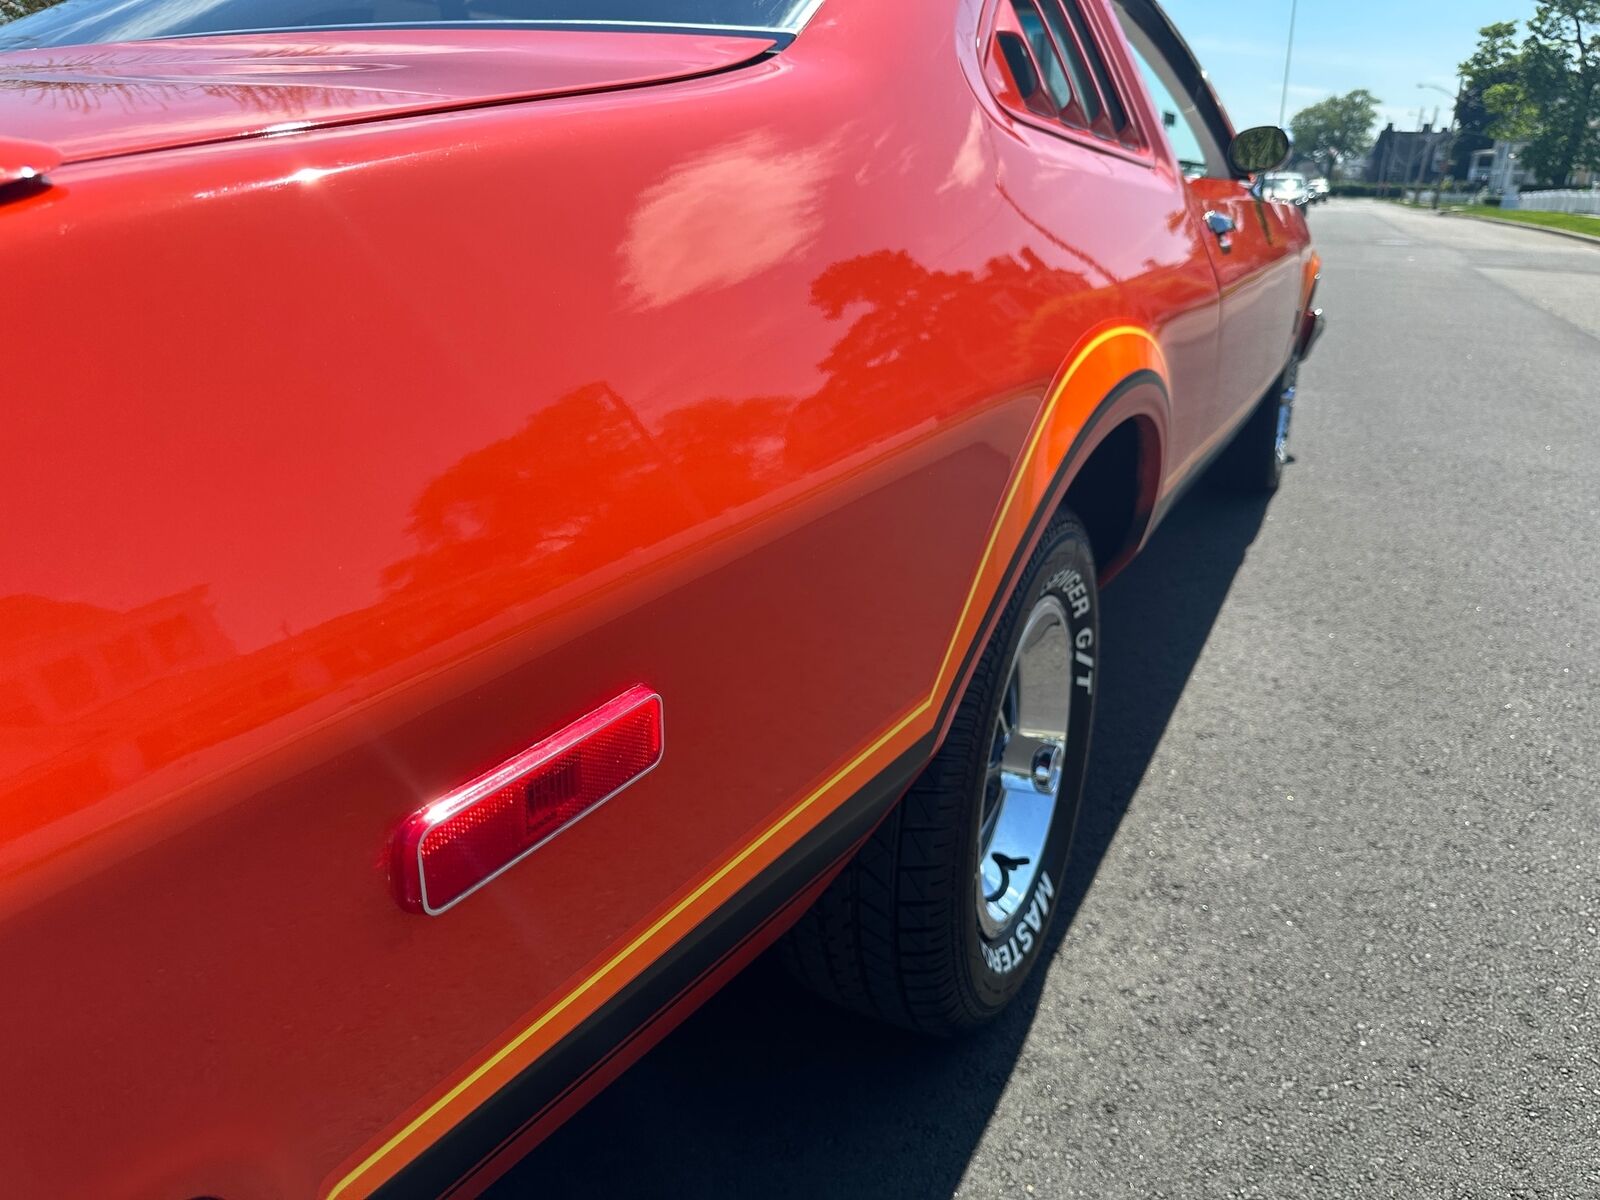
(1568, 201)
(1447, 198)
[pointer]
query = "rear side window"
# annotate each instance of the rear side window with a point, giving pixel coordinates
(1045, 56)
(1058, 68)
(1115, 112)
(1089, 98)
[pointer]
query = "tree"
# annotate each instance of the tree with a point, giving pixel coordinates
(1495, 63)
(10, 10)
(1562, 68)
(1337, 128)
(1544, 91)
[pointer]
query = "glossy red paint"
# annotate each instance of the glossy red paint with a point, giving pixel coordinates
(24, 161)
(373, 453)
(649, 1035)
(93, 101)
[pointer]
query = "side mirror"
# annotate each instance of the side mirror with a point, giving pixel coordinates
(1264, 148)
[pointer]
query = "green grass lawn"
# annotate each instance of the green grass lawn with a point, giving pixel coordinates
(1575, 222)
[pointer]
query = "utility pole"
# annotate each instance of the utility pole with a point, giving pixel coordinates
(1454, 130)
(1288, 61)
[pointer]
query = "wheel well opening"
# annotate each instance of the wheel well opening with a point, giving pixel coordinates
(1112, 493)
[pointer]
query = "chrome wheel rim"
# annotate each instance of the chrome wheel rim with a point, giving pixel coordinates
(1027, 756)
(1280, 446)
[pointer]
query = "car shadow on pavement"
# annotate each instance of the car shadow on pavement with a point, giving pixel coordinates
(767, 1093)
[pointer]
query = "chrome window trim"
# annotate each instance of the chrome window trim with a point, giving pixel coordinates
(784, 34)
(771, 31)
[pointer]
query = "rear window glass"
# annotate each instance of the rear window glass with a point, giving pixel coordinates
(83, 22)
(1055, 75)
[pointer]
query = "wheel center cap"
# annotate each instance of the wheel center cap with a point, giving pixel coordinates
(1047, 768)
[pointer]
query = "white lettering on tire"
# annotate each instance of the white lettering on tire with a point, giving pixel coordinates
(1072, 585)
(1026, 934)
(1084, 658)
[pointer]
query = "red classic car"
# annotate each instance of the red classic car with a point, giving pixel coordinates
(428, 425)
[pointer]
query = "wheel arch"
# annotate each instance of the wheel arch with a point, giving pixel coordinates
(1127, 393)
(1115, 480)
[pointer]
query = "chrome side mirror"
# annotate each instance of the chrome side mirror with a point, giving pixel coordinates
(1264, 148)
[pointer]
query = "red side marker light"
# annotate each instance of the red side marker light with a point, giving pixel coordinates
(451, 848)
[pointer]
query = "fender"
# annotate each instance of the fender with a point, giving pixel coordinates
(519, 1092)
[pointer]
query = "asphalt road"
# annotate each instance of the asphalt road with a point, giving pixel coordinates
(1337, 887)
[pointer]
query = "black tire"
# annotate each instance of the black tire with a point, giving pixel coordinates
(897, 936)
(1253, 462)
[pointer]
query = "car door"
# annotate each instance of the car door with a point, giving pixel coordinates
(1254, 244)
(1089, 172)
(1255, 254)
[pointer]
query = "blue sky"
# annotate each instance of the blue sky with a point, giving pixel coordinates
(1385, 46)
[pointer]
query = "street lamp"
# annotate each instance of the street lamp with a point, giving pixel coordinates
(1450, 139)
(1288, 60)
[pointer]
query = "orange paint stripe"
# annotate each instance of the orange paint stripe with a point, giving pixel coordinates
(1115, 354)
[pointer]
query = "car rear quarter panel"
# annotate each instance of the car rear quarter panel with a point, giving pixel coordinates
(355, 462)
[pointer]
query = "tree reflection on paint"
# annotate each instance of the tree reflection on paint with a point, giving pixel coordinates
(582, 488)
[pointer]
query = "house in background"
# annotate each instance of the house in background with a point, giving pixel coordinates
(1500, 167)
(1404, 157)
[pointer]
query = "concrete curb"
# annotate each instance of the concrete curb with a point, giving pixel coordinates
(1566, 233)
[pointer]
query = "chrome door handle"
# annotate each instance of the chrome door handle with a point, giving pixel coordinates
(1222, 225)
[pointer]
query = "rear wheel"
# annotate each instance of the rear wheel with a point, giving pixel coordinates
(1254, 461)
(947, 908)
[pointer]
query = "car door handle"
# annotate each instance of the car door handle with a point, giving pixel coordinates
(1222, 225)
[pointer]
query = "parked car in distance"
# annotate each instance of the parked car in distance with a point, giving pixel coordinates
(1288, 186)
(524, 506)
(1318, 189)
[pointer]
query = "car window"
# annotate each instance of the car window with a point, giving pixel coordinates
(1175, 123)
(84, 22)
(1091, 55)
(1059, 69)
(1088, 100)
(1051, 69)
(1186, 107)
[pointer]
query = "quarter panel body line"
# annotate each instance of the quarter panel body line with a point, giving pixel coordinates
(1102, 361)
